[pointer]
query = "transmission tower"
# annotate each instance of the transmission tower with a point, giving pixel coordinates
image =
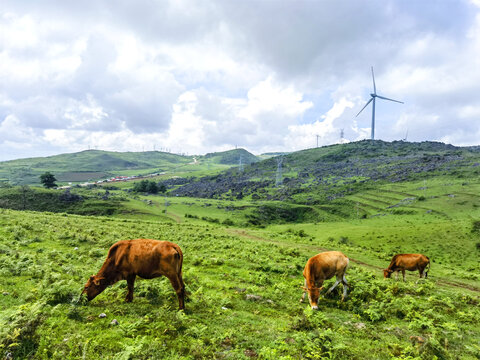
(279, 179)
(341, 135)
(240, 163)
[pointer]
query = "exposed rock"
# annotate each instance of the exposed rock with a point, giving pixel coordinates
(114, 322)
(359, 326)
(102, 315)
(250, 353)
(253, 297)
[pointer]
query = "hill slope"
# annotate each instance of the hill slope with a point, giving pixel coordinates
(98, 164)
(327, 173)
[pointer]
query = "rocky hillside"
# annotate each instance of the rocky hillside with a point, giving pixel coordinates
(315, 175)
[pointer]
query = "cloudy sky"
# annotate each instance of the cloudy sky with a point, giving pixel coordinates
(197, 76)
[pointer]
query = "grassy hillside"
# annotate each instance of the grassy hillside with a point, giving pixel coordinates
(245, 242)
(231, 157)
(96, 164)
(78, 201)
(243, 290)
(317, 176)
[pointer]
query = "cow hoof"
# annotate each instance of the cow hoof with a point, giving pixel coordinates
(314, 307)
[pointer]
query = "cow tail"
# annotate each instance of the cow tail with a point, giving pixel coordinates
(179, 256)
(427, 268)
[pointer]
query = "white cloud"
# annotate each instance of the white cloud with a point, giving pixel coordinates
(328, 132)
(199, 77)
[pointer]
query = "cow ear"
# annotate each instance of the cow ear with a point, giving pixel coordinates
(99, 280)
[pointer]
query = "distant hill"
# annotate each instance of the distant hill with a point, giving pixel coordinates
(97, 164)
(231, 157)
(317, 175)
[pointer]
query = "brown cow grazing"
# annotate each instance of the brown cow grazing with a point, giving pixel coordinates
(411, 262)
(322, 267)
(143, 257)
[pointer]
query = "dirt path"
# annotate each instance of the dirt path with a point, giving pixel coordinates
(313, 248)
(176, 217)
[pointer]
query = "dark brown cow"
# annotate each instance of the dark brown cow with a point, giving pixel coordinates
(322, 267)
(411, 262)
(143, 257)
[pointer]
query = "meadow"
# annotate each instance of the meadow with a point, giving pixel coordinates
(245, 241)
(243, 288)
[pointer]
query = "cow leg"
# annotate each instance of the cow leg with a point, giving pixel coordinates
(422, 273)
(302, 299)
(130, 284)
(345, 287)
(339, 279)
(179, 288)
(403, 274)
(396, 275)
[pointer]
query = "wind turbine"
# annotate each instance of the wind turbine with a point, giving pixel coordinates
(373, 96)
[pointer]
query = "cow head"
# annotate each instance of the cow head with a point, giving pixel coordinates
(313, 295)
(387, 273)
(94, 286)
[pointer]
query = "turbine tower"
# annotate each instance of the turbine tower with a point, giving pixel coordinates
(373, 96)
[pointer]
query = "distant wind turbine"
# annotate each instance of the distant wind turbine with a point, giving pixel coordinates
(373, 96)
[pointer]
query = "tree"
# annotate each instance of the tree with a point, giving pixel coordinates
(146, 186)
(162, 188)
(48, 180)
(152, 187)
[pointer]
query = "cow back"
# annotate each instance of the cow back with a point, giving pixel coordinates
(146, 258)
(326, 265)
(409, 261)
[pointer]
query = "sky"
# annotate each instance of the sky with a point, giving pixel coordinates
(199, 76)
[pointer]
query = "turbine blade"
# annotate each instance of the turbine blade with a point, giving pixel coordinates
(374, 87)
(369, 101)
(385, 98)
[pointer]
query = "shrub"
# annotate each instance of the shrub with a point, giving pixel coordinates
(476, 227)
(344, 240)
(228, 222)
(60, 292)
(146, 186)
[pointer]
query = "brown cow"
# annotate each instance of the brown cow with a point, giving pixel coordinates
(411, 262)
(322, 267)
(143, 257)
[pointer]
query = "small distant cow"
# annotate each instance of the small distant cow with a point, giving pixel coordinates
(411, 262)
(143, 257)
(322, 267)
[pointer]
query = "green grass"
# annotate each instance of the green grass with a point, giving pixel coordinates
(234, 248)
(46, 258)
(95, 165)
